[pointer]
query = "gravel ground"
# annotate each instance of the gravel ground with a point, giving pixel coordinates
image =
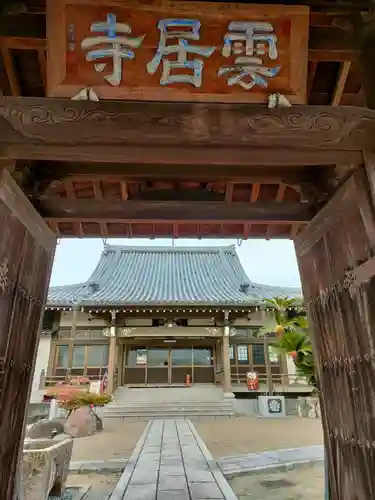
(102, 485)
(223, 437)
(237, 436)
(301, 484)
(117, 440)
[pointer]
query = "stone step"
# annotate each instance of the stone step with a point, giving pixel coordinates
(153, 416)
(180, 408)
(168, 408)
(171, 404)
(167, 414)
(163, 395)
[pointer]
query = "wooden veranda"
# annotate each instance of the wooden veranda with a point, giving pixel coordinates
(130, 168)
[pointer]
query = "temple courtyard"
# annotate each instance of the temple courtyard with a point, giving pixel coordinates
(240, 457)
(223, 437)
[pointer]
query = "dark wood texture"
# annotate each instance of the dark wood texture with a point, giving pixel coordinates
(26, 254)
(69, 71)
(177, 211)
(51, 171)
(181, 133)
(336, 260)
(332, 41)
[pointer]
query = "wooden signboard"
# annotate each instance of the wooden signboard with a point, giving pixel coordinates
(177, 51)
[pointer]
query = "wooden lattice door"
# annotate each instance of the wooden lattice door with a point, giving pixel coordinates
(337, 265)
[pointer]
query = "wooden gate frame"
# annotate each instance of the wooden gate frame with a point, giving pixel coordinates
(164, 133)
(336, 256)
(27, 249)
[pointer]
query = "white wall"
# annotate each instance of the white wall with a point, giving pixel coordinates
(66, 319)
(290, 366)
(41, 364)
(138, 321)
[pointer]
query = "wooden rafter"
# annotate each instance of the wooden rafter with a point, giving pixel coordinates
(69, 188)
(311, 76)
(79, 227)
(124, 190)
(97, 188)
(229, 191)
(71, 195)
(11, 72)
(279, 198)
(341, 81)
(294, 230)
(98, 195)
(254, 195)
(43, 66)
(55, 227)
(281, 192)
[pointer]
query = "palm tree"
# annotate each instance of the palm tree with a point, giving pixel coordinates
(280, 321)
(293, 335)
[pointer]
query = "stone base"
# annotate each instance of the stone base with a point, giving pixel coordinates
(229, 395)
(44, 468)
(272, 406)
(309, 407)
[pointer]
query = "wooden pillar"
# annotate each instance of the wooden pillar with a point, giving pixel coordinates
(73, 333)
(112, 354)
(219, 363)
(227, 386)
(268, 366)
(336, 259)
(27, 249)
(226, 360)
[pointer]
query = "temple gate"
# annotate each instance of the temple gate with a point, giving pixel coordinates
(195, 119)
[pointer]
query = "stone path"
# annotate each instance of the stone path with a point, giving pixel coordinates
(230, 466)
(171, 462)
(271, 460)
(302, 483)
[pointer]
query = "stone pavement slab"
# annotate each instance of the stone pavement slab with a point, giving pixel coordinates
(87, 466)
(169, 462)
(277, 459)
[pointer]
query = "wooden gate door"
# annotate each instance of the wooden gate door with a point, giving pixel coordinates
(26, 254)
(337, 265)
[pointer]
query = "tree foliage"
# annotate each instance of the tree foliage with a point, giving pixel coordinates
(72, 399)
(292, 335)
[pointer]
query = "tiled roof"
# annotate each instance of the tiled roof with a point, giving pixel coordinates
(167, 276)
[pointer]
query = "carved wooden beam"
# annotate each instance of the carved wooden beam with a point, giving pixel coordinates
(181, 133)
(81, 210)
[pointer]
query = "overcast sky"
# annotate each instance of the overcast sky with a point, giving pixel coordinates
(269, 262)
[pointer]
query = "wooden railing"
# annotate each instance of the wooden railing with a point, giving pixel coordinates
(281, 382)
(51, 381)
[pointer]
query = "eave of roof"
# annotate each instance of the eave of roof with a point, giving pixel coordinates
(167, 277)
